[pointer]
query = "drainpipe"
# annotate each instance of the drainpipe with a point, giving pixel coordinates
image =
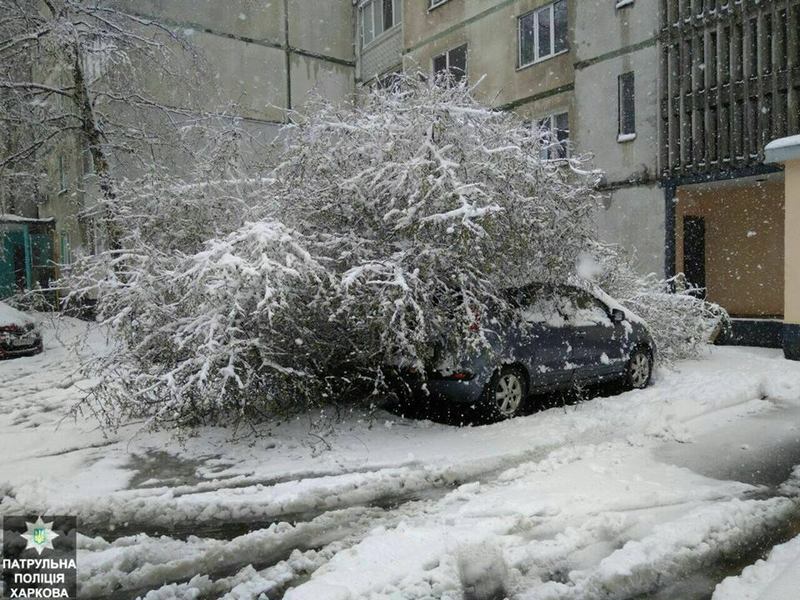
(669, 230)
(786, 151)
(28, 247)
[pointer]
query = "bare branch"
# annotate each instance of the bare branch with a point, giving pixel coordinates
(35, 88)
(34, 146)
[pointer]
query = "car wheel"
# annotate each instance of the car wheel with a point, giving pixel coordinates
(640, 369)
(505, 394)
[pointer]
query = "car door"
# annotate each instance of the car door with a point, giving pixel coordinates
(545, 345)
(592, 332)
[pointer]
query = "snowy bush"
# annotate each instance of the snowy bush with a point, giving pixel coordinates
(383, 230)
(681, 322)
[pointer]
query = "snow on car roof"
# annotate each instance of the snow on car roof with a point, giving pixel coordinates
(11, 316)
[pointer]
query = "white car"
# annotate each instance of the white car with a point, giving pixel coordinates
(19, 335)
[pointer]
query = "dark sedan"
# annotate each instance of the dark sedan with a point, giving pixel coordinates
(19, 335)
(562, 336)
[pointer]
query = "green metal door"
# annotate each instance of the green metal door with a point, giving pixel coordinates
(15, 261)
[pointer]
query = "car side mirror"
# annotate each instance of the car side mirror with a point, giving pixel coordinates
(617, 315)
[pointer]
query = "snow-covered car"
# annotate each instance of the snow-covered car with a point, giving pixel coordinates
(560, 336)
(19, 335)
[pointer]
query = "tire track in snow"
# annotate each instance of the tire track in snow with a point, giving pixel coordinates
(136, 565)
(155, 510)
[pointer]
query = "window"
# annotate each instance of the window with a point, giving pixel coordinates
(753, 53)
(378, 16)
(66, 249)
(542, 33)
(62, 174)
(388, 80)
(453, 63)
(581, 309)
(766, 42)
(711, 60)
(555, 131)
(627, 108)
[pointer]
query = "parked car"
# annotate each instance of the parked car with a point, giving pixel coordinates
(560, 336)
(19, 335)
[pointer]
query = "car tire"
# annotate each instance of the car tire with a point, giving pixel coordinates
(505, 395)
(640, 369)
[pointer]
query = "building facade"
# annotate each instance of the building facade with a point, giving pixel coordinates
(730, 83)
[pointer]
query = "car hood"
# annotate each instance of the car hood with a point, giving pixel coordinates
(12, 316)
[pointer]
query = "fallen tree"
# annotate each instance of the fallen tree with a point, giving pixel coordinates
(384, 230)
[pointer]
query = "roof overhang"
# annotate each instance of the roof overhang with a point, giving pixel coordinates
(782, 150)
(7, 218)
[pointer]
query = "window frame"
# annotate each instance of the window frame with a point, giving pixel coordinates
(65, 250)
(564, 145)
(550, 9)
(436, 4)
(375, 8)
(63, 184)
(446, 54)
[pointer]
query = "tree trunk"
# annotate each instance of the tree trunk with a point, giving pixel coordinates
(94, 138)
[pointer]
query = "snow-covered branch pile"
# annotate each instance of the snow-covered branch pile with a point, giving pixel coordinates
(384, 230)
(681, 321)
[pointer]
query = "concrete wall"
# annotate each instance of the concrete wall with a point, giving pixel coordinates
(66, 204)
(324, 78)
(792, 243)
(608, 43)
(251, 76)
(603, 54)
(601, 28)
(791, 328)
(262, 56)
(604, 42)
(322, 27)
(633, 218)
(254, 19)
(744, 243)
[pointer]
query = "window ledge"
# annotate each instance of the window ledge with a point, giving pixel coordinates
(541, 60)
(624, 3)
(623, 138)
(430, 8)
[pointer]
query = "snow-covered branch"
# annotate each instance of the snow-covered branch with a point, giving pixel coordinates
(383, 232)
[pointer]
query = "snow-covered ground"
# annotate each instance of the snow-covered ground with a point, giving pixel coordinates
(776, 577)
(643, 493)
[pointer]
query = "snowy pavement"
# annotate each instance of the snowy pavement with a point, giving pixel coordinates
(660, 493)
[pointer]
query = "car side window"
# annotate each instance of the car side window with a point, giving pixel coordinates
(541, 305)
(582, 309)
